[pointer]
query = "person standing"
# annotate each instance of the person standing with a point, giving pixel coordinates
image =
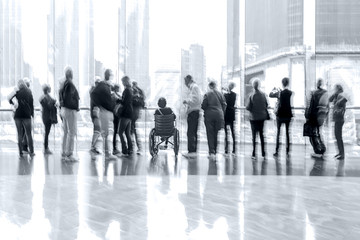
(339, 101)
(283, 114)
(49, 114)
(257, 106)
(69, 106)
(138, 104)
(193, 106)
(214, 106)
(230, 98)
(316, 114)
(116, 98)
(102, 98)
(126, 116)
(94, 114)
(23, 102)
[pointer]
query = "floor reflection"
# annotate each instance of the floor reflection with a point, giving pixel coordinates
(299, 164)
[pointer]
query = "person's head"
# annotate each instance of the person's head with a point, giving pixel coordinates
(107, 74)
(97, 80)
(21, 84)
(134, 83)
(188, 80)
(126, 81)
(162, 102)
(212, 85)
(338, 88)
(68, 73)
(285, 82)
(256, 83)
(27, 82)
(231, 86)
(116, 87)
(319, 83)
(46, 88)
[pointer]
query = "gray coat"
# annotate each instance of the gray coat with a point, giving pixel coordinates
(257, 106)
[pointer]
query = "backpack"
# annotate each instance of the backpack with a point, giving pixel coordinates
(323, 109)
(138, 98)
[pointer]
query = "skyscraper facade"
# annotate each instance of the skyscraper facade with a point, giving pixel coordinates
(193, 62)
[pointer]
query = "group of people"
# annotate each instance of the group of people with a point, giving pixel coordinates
(219, 113)
(115, 114)
(105, 97)
(316, 115)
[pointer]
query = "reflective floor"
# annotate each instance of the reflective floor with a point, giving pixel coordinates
(169, 198)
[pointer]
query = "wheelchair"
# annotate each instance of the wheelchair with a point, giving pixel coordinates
(163, 132)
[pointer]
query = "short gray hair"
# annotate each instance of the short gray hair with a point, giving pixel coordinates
(256, 83)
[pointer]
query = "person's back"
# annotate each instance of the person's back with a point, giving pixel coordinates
(69, 96)
(101, 96)
(257, 106)
(215, 104)
(285, 110)
(25, 107)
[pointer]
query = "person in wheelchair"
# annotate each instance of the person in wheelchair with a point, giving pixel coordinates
(163, 110)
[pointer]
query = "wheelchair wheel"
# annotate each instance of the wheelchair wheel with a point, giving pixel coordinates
(152, 143)
(176, 142)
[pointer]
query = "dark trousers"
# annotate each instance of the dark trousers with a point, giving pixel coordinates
(338, 135)
(279, 122)
(133, 131)
(26, 124)
(47, 132)
(258, 127)
(193, 124)
(125, 127)
(231, 125)
(116, 130)
(212, 129)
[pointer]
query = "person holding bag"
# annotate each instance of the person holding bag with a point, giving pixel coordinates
(214, 106)
(257, 106)
(316, 115)
(283, 114)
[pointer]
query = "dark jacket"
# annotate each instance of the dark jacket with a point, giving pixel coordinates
(126, 100)
(230, 106)
(311, 112)
(69, 96)
(257, 106)
(339, 106)
(101, 96)
(47, 103)
(164, 111)
(25, 100)
(214, 105)
(284, 100)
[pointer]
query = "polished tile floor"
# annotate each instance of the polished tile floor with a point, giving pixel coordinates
(141, 197)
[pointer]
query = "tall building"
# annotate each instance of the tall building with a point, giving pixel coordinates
(11, 54)
(193, 62)
(134, 48)
(233, 35)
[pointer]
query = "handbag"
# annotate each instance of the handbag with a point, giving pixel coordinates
(119, 108)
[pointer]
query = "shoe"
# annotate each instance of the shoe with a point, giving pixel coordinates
(111, 157)
(116, 152)
(190, 155)
(276, 155)
(139, 152)
(63, 155)
(253, 157)
(337, 155)
(94, 151)
(32, 154)
(340, 157)
(212, 157)
(47, 151)
(316, 155)
(71, 158)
